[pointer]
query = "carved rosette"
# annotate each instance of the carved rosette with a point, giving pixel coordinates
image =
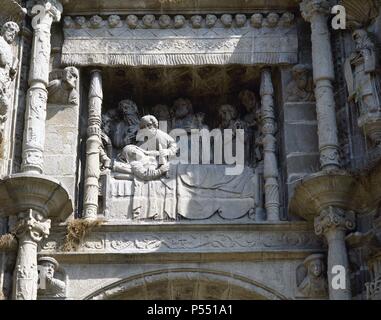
(269, 146)
(93, 144)
(30, 229)
(44, 13)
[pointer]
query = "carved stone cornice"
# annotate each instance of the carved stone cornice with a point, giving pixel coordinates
(309, 8)
(334, 218)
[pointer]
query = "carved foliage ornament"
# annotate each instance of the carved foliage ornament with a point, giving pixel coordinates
(334, 218)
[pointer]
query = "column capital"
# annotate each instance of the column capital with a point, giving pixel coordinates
(309, 8)
(32, 226)
(334, 219)
(44, 12)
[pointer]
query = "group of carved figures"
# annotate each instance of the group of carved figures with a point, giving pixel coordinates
(257, 20)
(120, 126)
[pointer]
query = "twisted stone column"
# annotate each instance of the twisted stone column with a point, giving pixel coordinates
(270, 172)
(44, 12)
(93, 144)
(316, 12)
(30, 229)
(333, 223)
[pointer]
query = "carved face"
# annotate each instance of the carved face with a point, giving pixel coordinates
(164, 21)
(132, 21)
(96, 21)
(49, 268)
(272, 20)
(113, 21)
(68, 22)
(286, 19)
(248, 99)
(210, 20)
(315, 268)
(161, 111)
(256, 20)
(10, 31)
(227, 113)
(227, 20)
(81, 21)
(128, 107)
(182, 107)
(179, 21)
(148, 20)
(196, 21)
(240, 20)
(70, 78)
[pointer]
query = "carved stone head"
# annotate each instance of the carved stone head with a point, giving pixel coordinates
(196, 21)
(70, 77)
(68, 22)
(114, 21)
(96, 21)
(132, 21)
(161, 111)
(240, 20)
(81, 21)
(249, 100)
(148, 20)
(256, 20)
(300, 74)
(227, 20)
(227, 112)
(49, 264)
(272, 20)
(210, 20)
(128, 107)
(182, 107)
(315, 265)
(149, 123)
(286, 19)
(9, 31)
(164, 21)
(179, 21)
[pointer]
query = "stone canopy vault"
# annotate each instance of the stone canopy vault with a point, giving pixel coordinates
(89, 211)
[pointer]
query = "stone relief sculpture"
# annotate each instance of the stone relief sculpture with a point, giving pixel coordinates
(8, 69)
(256, 20)
(132, 21)
(286, 20)
(227, 20)
(196, 21)
(164, 21)
(311, 279)
(210, 20)
(64, 90)
(301, 88)
(184, 115)
(49, 285)
(179, 21)
(363, 80)
(240, 20)
(126, 129)
(271, 21)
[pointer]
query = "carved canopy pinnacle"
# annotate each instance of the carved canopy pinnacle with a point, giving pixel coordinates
(311, 7)
(333, 218)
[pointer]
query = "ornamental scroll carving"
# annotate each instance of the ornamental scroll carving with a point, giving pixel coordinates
(173, 40)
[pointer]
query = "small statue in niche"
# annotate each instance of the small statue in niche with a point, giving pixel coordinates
(105, 152)
(126, 129)
(179, 21)
(50, 286)
(252, 133)
(301, 87)
(210, 20)
(311, 279)
(363, 74)
(64, 90)
(256, 20)
(132, 21)
(183, 114)
(8, 68)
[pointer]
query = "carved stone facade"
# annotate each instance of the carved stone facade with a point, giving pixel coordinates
(203, 138)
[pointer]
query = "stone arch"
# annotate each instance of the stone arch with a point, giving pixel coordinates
(186, 283)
